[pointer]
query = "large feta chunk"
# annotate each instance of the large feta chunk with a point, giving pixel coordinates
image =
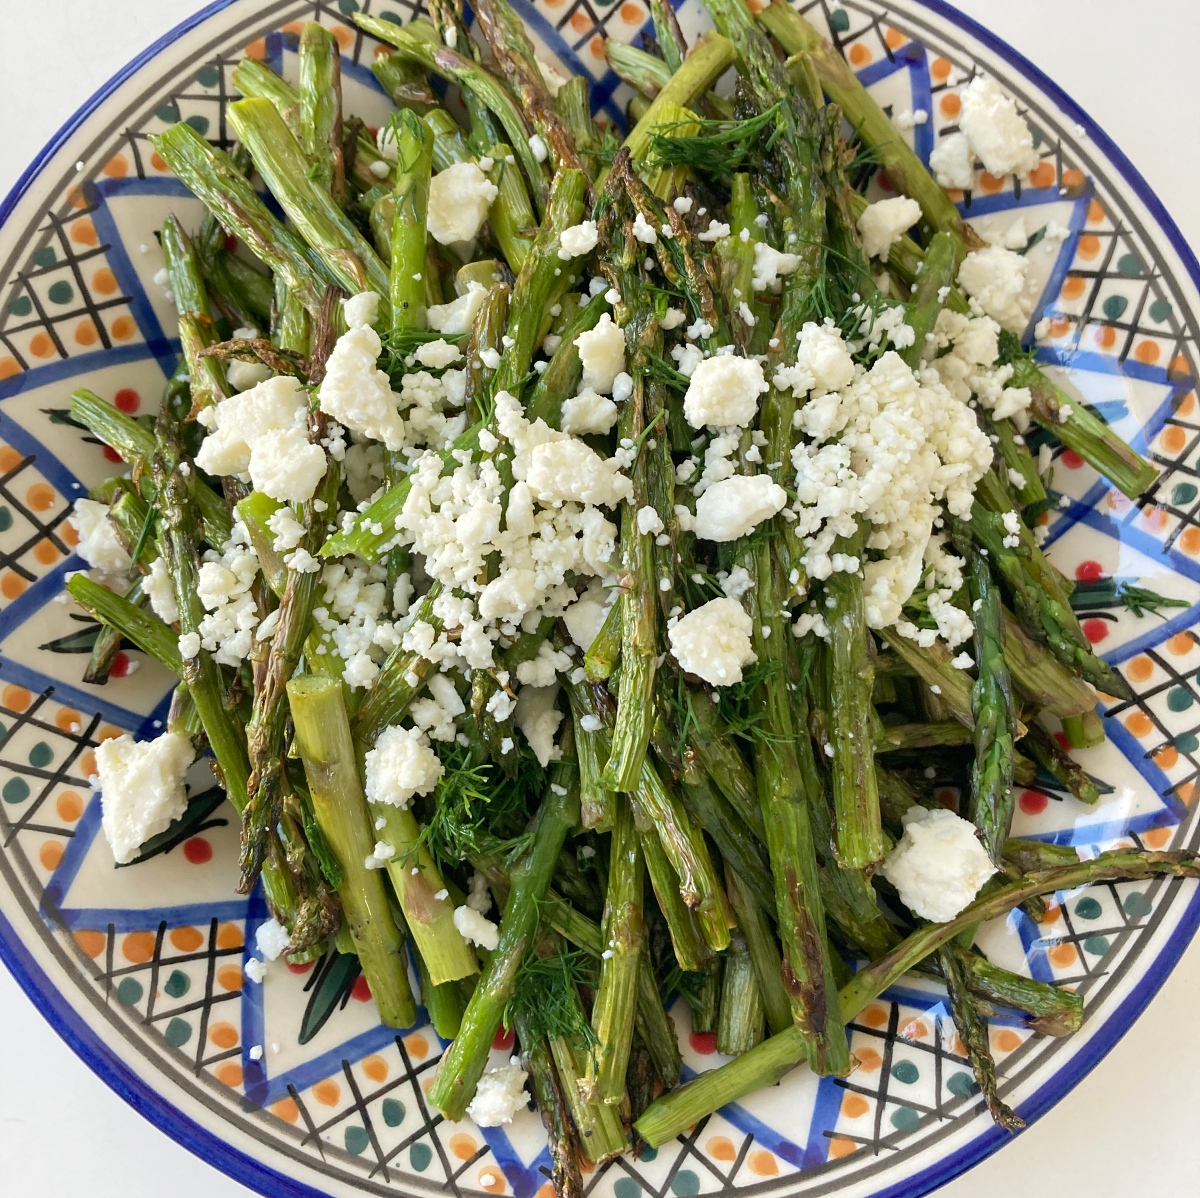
(361, 309)
(952, 162)
(723, 392)
(713, 642)
(537, 717)
(243, 420)
(99, 544)
(459, 199)
(455, 318)
(356, 393)
(883, 223)
(287, 466)
(939, 865)
(578, 240)
(734, 507)
(995, 130)
(499, 1095)
(995, 278)
(399, 766)
(570, 471)
(602, 353)
(769, 264)
(142, 788)
(160, 590)
(473, 927)
(588, 412)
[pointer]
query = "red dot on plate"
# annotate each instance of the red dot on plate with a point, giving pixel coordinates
(1033, 802)
(1095, 630)
(1089, 571)
(1071, 459)
(120, 665)
(112, 455)
(127, 400)
(302, 967)
(705, 1043)
(1064, 744)
(361, 990)
(504, 1038)
(197, 850)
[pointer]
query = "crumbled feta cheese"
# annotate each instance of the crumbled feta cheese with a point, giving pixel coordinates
(244, 375)
(769, 265)
(737, 582)
(672, 320)
(723, 392)
(622, 387)
(883, 223)
(474, 928)
(479, 897)
(499, 1095)
(713, 642)
(735, 506)
(649, 522)
(356, 393)
(687, 358)
(537, 716)
(380, 855)
(823, 363)
(399, 766)
(98, 545)
(437, 354)
(459, 199)
(995, 130)
(715, 231)
(570, 471)
(255, 969)
(952, 162)
(243, 420)
(287, 466)
(643, 231)
(682, 205)
(995, 277)
(964, 661)
(537, 148)
(588, 412)
(578, 240)
(585, 617)
(939, 865)
(141, 788)
(271, 939)
(602, 354)
(908, 118)
(189, 645)
(223, 586)
(361, 309)
(160, 590)
(455, 318)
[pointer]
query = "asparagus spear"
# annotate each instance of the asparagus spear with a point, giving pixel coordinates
(414, 162)
(464, 1061)
(327, 751)
(740, 1024)
(779, 1054)
(321, 108)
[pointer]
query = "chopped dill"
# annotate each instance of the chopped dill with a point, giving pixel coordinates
(718, 147)
(546, 996)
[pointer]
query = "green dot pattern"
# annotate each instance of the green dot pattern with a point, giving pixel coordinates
(1183, 493)
(129, 992)
(1096, 945)
(648, 1154)
(1179, 698)
(208, 76)
(1114, 307)
(45, 257)
(1137, 905)
(904, 1118)
(1187, 742)
(626, 1187)
(21, 306)
(168, 113)
(393, 1112)
(348, 6)
(1088, 908)
(905, 1072)
(1129, 265)
(839, 20)
(419, 1156)
(6, 519)
(356, 1139)
(962, 1085)
(1161, 310)
(16, 790)
(61, 292)
(686, 1184)
(41, 755)
(178, 984)
(199, 123)
(178, 1033)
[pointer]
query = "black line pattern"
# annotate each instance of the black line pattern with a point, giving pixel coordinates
(168, 988)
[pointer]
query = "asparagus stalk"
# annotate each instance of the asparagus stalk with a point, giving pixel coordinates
(1053, 1011)
(740, 1024)
(616, 997)
(321, 108)
(414, 162)
(973, 1031)
(128, 620)
(464, 1061)
(763, 947)
(327, 751)
(550, 1095)
(779, 1054)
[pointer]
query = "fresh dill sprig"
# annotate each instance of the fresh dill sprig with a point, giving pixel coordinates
(546, 996)
(1108, 592)
(658, 368)
(719, 147)
(740, 707)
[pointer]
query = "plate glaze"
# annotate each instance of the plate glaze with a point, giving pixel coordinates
(140, 969)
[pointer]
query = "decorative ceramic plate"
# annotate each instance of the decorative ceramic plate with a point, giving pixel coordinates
(141, 969)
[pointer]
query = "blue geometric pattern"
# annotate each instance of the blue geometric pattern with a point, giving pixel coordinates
(157, 951)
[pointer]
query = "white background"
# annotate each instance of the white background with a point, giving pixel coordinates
(1134, 1122)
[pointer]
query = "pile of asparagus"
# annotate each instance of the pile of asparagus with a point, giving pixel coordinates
(758, 813)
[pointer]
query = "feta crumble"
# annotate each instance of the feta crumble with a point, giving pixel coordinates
(602, 354)
(499, 1095)
(459, 199)
(952, 163)
(99, 544)
(271, 939)
(995, 130)
(735, 506)
(883, 223)
(400, 766)
(142, 788)
(723, 392)
(474, 928)
(939, 865)
(713, 642)
(455, 318)
(578, 240)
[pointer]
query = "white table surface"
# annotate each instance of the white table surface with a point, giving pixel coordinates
(1133, 1122)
